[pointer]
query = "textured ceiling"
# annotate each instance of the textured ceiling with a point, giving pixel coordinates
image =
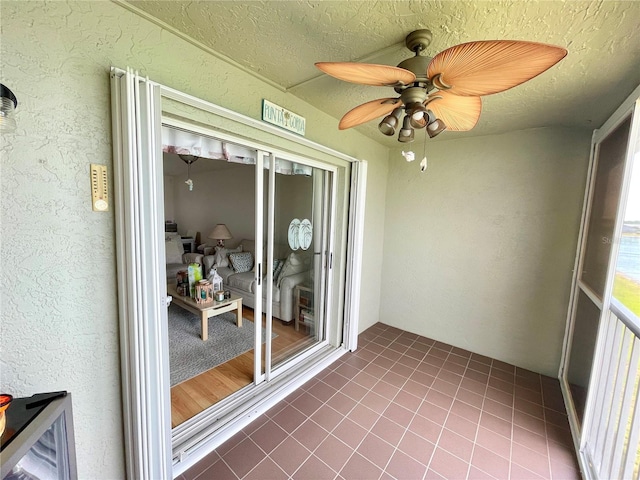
(280, 40)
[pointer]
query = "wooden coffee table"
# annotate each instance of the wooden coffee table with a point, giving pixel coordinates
(207, 310)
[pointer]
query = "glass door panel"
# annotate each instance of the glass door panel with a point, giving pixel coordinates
(299, 239)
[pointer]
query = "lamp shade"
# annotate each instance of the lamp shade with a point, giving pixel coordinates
(220, 232)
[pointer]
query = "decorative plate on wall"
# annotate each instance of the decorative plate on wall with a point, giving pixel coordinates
(294, 238)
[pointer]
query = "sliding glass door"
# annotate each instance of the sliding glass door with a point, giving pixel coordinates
(299, 201)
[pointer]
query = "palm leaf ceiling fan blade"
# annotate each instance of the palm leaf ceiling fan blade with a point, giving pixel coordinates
(486, 67)
(459, 113)
(367, 73)
(368, 111)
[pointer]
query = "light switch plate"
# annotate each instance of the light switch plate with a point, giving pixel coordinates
(99, 188)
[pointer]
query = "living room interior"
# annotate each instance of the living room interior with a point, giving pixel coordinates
(477, 252)
(200, 194)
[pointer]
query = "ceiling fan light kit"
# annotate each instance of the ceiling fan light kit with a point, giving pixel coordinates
(442, 92)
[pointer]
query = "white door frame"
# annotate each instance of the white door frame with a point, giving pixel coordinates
(137, 109)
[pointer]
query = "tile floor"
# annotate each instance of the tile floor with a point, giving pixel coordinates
(406, 407)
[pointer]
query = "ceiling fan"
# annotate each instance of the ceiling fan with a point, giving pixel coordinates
(442, 92)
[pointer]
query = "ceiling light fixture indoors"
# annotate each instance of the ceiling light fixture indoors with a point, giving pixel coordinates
(189, 159)
(8, 104)
(443, 92)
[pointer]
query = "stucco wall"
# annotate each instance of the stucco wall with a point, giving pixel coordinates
(59, 304)
(478, 250)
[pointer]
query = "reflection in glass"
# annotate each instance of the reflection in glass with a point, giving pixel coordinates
(604, 206)
(582, 349)
(298, 244)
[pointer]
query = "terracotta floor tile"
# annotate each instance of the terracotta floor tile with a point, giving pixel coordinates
(496, 425)
(358, 467)
(365, 380)
(507, 377)
(456, 444)
(341, 403)
(376, 450)
(385, 390)
(289, 419)
(219, 470)
(333, 452)
(323, 391)
(500, 396)
(498, 409)
(433, 412)
(388, 430)
(537, 443)
(425, 428)
(531, 408)
(521, 473)
(422, 378)
(310, 434)
(448, 465)
(409, 362)
(461, 426)
(415, 388)
(489, 462)
(478, 366)
(476, 474)
(440, 399)
(398, 414)
(470, 398)
(327, 418)
(335, 380)
(354, 391)
(404, 467)
(313, 468)
(289, 455)
(533, 424)
(442, 386)
(466, 411)
(244, 457)
(407, 400)
(427, 368)
(375, 402)
(527, 458)
(349, 433)
(402, 370)
(269, 436)
(417, 447)
(267, 468)
(494, 442)
(363, 416)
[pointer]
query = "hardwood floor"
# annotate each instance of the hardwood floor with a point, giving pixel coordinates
(196, 394)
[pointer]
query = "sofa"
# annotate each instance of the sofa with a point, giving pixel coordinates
(237, 269)
(176, 258)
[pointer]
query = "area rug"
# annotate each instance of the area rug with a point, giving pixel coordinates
(190, 356)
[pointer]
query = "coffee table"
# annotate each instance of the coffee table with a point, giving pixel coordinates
(207, 310)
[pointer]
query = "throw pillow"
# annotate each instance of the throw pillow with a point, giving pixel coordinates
(277, 268)
(174, 250)
(222, 255)
(294, 264)
(241, 262)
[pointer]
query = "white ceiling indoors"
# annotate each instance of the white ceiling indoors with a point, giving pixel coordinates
(280, 40)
